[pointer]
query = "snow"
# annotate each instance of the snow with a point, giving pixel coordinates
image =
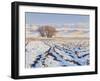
(50, 53)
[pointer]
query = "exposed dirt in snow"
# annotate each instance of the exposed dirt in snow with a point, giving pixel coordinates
(53, 53)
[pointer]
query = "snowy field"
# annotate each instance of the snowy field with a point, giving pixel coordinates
(57, 52)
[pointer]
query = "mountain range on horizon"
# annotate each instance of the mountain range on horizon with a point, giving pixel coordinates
(65, 31)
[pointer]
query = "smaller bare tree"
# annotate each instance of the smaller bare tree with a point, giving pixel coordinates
(47, 31)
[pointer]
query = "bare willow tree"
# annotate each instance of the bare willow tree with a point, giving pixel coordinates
(47, 31)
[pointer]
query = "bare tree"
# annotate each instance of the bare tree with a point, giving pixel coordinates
(47, 31)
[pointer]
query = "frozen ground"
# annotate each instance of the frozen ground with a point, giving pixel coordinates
(52, 53)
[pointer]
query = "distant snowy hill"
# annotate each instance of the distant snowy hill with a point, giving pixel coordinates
(64, 31)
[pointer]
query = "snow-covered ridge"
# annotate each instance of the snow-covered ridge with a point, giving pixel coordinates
(52, 53)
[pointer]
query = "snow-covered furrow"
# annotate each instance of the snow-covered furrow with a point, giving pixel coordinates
(49, 53)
